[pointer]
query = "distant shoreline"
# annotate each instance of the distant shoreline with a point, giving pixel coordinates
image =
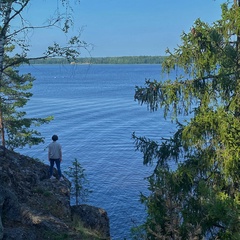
(104, 60)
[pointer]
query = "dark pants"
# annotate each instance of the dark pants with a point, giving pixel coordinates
(57, 161)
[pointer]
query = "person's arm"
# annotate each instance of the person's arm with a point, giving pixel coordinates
(48, 154)
(60, 154)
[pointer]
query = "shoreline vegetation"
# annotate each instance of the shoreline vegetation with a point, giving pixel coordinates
(104, 60)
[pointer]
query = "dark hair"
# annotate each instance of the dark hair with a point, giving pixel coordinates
(54, 137)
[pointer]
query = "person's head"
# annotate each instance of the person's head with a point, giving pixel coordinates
(54, 137)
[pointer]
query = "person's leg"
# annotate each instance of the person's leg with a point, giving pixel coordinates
(51, 167)
(58, 168)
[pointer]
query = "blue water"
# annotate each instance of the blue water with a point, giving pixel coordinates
(94, 116)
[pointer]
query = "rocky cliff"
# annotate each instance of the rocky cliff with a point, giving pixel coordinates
(34, 207)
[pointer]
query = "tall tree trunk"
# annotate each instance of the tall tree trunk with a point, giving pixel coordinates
(2, 128)
(237, 93)
(237, 4)
(6, 7)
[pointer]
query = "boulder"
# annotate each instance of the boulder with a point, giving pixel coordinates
(93, 218)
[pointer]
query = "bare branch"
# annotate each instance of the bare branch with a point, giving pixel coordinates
(33, 27)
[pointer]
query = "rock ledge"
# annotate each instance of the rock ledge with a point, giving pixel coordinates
(33, 207)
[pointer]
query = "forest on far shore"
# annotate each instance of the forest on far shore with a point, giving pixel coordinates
(104, 60)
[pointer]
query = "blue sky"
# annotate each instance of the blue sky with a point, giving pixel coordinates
(124, 27)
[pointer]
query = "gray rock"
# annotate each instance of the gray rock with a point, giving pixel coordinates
(33, 207)
(92, 218)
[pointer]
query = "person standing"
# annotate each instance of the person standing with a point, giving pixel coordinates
(55, 156)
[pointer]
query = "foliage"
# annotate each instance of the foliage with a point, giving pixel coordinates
(200, 197)
(14, 95)
(76, 173)
(16, 129)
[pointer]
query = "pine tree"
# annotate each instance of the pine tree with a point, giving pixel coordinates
(200, 199)
(76, 173)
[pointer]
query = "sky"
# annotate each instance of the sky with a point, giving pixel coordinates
(123, 27)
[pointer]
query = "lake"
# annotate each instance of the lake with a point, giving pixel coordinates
(94, 117)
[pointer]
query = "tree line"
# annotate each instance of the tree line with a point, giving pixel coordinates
(103, 60)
